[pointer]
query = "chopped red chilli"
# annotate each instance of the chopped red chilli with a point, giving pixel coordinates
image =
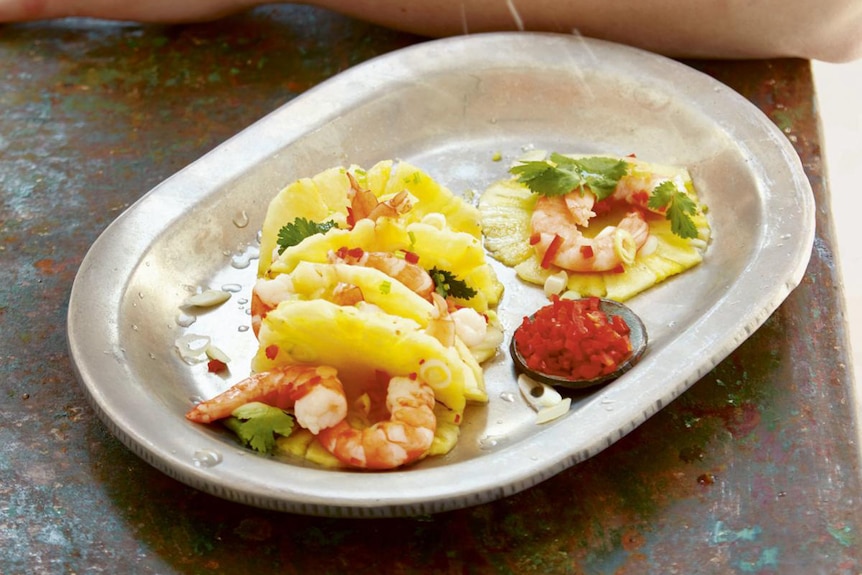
(216, 366)
(553, 248)
(573, 339)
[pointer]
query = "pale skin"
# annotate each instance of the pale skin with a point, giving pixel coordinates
(828, 30)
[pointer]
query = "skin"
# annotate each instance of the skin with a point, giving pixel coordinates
(828, 30)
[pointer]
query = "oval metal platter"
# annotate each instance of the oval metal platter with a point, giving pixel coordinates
(447, 106)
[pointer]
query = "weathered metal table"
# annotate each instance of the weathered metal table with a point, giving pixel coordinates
(754, 470)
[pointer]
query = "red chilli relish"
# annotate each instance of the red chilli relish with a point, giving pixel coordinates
(574, 339)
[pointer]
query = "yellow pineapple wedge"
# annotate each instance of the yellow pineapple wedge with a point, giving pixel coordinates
(360, 344)
(458, 252)
(323, 197)
(507, 206)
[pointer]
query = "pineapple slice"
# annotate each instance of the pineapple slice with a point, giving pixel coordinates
(318, 281)
(360, 343)
(319, 199)
(324, 197)
(302, 444)
(457, 252)
(506, 209)
(432, 197)
(448, 430)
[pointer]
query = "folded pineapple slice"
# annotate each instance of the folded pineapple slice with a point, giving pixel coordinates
(324, 197)
(360, 344)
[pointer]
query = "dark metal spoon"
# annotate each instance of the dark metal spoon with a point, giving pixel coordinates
(637, 336)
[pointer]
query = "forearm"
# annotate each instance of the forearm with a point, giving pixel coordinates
(828, 29)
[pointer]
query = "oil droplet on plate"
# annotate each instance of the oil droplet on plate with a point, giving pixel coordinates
(185, 319)
(488, 442)
(243, 260)
(206, 458)
(507, 396)
(231, 288)
(241, 219)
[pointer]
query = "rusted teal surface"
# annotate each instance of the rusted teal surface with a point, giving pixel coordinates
(754, 470)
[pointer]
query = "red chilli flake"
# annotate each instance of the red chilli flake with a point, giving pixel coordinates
(573, 339)
(553, 248)
(410, 257)
(587, 251)
(216, 366)
(271, 351)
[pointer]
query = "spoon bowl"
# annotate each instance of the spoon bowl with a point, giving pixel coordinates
(611, 308)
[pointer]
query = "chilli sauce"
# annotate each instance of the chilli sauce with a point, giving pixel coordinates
(574, 339)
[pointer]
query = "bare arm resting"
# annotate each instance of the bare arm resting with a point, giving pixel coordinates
(829, 30)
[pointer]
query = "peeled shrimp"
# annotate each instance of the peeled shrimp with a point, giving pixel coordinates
(410, 274)
(403, 438)
(636, 189)
(364, 204)
(552, 219)
(580, 206)
(266, 295)
(441, 326)
(314, 392)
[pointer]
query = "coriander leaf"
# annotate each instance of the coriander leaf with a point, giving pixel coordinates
(679, 208)
(561, 175)
(256, 425)
(447, 284)
(546, 179)
(601, 174)
(301, 228)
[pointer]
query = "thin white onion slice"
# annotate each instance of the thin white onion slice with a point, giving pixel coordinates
(207, 298)
(553, 412)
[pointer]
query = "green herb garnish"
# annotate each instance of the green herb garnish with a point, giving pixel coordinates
(679, 206)
(256, 424)
(560, 175)
(301, 228)
(447, 284)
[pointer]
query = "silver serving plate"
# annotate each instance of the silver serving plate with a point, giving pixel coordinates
(447, 106)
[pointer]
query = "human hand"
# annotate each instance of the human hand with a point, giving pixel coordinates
(167, 11)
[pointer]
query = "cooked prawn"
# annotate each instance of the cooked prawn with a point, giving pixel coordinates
(441, 326)
(555, 228)
(410, 274)
(580, 206)
(636, 189)
(314, 392)
(403, 438)
(364, 204)
(266, 294)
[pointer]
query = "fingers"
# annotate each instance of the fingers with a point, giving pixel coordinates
(142, 10)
